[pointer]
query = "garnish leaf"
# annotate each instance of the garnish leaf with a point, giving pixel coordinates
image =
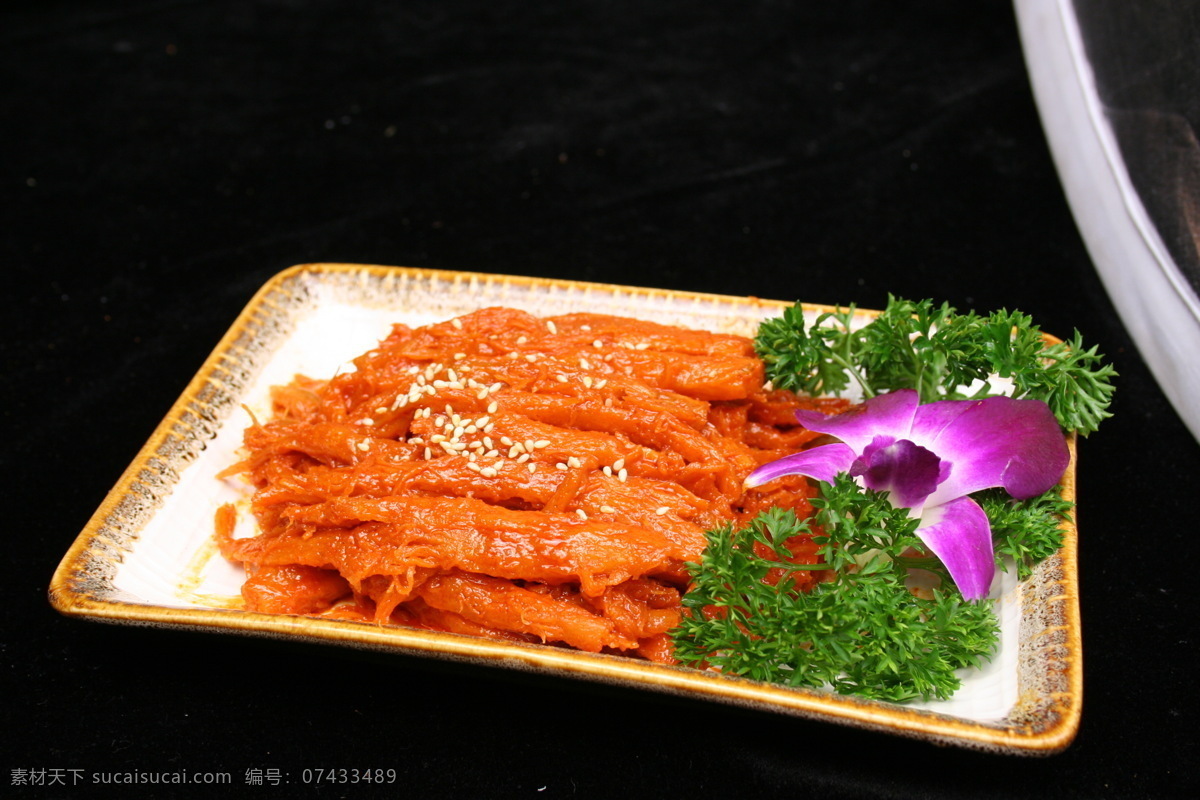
(937, 351)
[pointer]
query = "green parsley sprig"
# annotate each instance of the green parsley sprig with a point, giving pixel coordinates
(862, 633)
(937, 351)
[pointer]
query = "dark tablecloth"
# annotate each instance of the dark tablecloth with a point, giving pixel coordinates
(164, 159)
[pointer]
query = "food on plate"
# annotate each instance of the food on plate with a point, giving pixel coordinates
(627, 487)
(504, 475)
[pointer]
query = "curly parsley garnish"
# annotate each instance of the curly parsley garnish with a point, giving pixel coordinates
(861, 633)
(937, 351)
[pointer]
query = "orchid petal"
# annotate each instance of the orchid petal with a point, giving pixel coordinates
(997, 441)
(907, 471)
(884, 415)
(823, 463)
(960, 535)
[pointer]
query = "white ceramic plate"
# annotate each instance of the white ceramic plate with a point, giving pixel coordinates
(147, 555)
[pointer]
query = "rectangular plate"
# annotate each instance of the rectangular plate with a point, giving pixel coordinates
(147, 555)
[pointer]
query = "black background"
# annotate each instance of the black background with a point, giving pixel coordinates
(164, 159)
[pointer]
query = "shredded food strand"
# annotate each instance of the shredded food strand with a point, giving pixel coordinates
(521, 478)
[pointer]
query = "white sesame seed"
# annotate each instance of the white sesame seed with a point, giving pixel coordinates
(483, 421)
(583, 364)
(521, 459)
(532, 467)
(585, 327)
(437, 438)
(364, 445)
(492, 454)
(471, 465)
(428, 454)
(587, 381)
(459, 356)
(579, 512)
(574, 462)
(597, 344)
(530, 445)
(491, 426)
(507, 442)
(641, 346)
(488, 472)
(470, 429)
(560, 378)
(522, 339)
(662, 510)
(381, 410)
(600, 384)
(561, 465)
(482, 393)
(457, 323)
(608, 509)
(487, 440)
(622, 475)
(493, 407)
(414, 369)
(541, 443)
(550, 326)
(618, 464)
(514, 451)
(366, 421)
(416, 440)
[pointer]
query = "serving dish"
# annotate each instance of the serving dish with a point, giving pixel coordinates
(147, 557)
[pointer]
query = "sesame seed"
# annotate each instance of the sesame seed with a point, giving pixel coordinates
(366, 421)
(608, 509)
(560, 378)
(585, 327)
(587, 381)
(487, 441)
(583, 364)
(618, 464)
(428, 454)
(550, 326)
(366, 445)
(514, 451)
(483, 421)
(521, 459)
(492, 454)
(579, 512)
(574, 462)
(600, 384)
(561, 465)
(437, 438)
(453, 376)
(495, 387)
(488, 472)
(381, 410)
(459, 356)
(530, 445)
(541, 443)
(597, 344)
(608, 471)
(641, 346)
(471, 465)
(622, 475)
(457, 323)
(532, 467)
(507, 442)
(662, 510)
(522, 339)
(493, 407)
(416, 440)
(481, 394)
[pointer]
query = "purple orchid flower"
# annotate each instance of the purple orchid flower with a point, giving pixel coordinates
(928, 458)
